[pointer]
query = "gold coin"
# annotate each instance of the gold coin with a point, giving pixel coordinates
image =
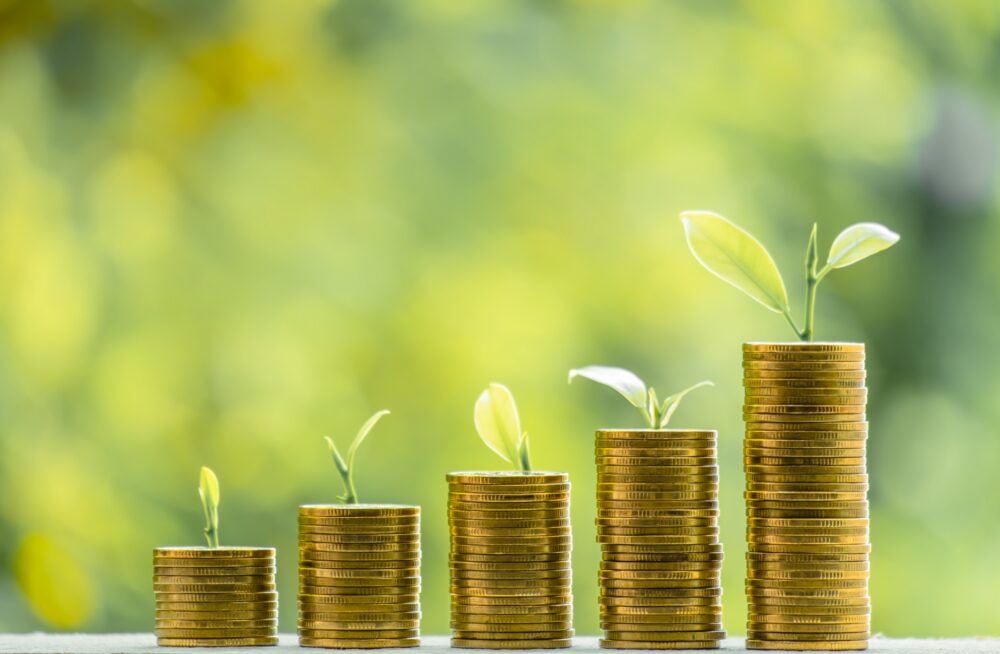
(809, 601)
(708, 606)
(631, 566)
(509, 600)
(217, 633)
(807, 539)
(662, 523)
(364, 582)
(510, 574)
(809, 549)
(658, 434)
(322, 628)
(209, 581)
(517, 566)
(645, 584)
(811, 394)
(514, 618)
(508, 533)
(838, 451)
(358, 510)
(787, 497)
(197, 565)
(657, 540)
(353, 521)
(844, 645)
(809, 530)
(313, 546)
(655, 513)
(794, 421)
(815, 575)
(553, 514)
(317, 589)
(558, 630)
(664, 549)
(505, 636)
(216, 607)
(809, 623)
(373, 633)
(539, 582)
(781, 478)
(847, 566)
(358, 643)
(217, 642)
(803, 346)
(777, 487)
(805, 470)
(704, 467)
(499, 550)
(305, 566)
(509, 489)
(812, 609)
(470, 643)
(554, 595)
(662, 575)
(508, 506)
(196, 597)
(860, 513)
(361, 530)
(608, 643)
(851, 636)
(212, 589)
(761, 403)
(551, 558)
(653, 447)
(750, 374)
(501, 612)
(515, 525)
(665, 592)
(311, 554)
(802, 383)
(755, 593)
(655, 452)
(261, 623)
(312, 619)
(696, 633)
(264, 614)
(355, 573)
(805, 559)
(804, 366)
(505, 477)
(455, 497)
(350, 602)
(807, 583)
(205, 572)
(347, 610)
(214, 552)
(310, 537)
(662, 530)
(647, 622)
(659, 504)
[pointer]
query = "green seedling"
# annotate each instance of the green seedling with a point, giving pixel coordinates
(738, 258)
(208, 491)
(633, 389)
(346, 466)
(499, 426)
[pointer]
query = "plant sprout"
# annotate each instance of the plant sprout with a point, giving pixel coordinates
(633, 389)
(208, 491)
(499, 426)
(346, 467)
(739, 259)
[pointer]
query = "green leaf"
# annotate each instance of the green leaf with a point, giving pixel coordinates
(335, 453)
(209, 488)
(624, 381)
(524, 454)
(812, 253)
(736, 257)
(497, 422)
(858, 242)
(362, 434)
(671, 403)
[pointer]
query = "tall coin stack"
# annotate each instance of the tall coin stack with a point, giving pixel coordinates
(807, 512)
(359, 576)
(215, 597)
(657, 523)
(511, 582)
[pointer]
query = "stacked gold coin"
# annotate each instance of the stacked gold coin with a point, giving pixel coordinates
(807, 512)
(215, 597)
(510, 560)
(359, 576)
(657, 523)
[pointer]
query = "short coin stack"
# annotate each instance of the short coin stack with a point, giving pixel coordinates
(807, 512)
(215, 597)
(511, 582)
(657, 523)
(359, 576)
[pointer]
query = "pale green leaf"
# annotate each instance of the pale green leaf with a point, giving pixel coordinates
(736, 257)
(363, 433)
(497, 422)
(858, 242)
(335, 453)
(209, 487)
(624, 381)
(671, 403)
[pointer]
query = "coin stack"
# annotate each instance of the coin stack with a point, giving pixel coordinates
(510, 560)
(657, 523)
(359, 576)
(807, 512)
(215, 597)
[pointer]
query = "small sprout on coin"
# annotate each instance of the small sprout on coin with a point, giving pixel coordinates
(633, 389)
(346, 467)
(208, 491)
(739, 259)
(499, 426)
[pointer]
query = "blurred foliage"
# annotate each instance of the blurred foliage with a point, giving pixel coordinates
(229, 228)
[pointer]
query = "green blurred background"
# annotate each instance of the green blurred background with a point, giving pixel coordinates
(229, 228)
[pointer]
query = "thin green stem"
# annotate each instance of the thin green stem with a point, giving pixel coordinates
(812, 282)
(350, 492)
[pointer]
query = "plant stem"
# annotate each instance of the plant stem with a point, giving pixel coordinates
(350, 493)
(812, 281)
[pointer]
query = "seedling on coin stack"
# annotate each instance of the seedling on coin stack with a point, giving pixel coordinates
(657, 524)
(214, 596)
(511, 583)
(359, 566)
(804, 451)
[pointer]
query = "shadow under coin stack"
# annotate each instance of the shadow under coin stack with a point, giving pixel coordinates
(510, 560)
(657, 523)
(807, 512)
(359, 576)
(215, 597)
